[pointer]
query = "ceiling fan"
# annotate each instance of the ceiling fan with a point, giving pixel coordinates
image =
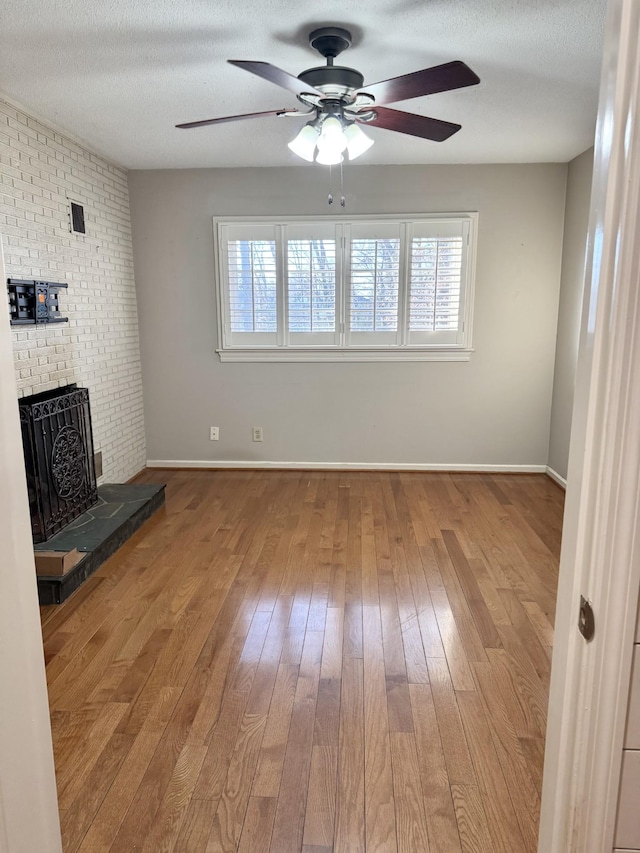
(338, 102)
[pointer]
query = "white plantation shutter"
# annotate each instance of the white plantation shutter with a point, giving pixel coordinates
(374, 282)
(437, 275)
(311, 303)
(434, 296)
(252, 285)
(346, 289)
(250, 265)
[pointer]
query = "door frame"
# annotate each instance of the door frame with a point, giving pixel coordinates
(28, 801)
(600, 556)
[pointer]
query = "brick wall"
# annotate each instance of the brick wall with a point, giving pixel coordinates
(40, 170)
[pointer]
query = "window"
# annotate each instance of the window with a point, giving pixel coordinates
(345, 290)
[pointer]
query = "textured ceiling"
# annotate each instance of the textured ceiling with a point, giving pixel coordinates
(119, 75)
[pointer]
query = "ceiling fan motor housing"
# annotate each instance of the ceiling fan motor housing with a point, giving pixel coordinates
(333, 80)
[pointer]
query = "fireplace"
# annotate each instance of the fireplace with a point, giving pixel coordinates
(58, 452)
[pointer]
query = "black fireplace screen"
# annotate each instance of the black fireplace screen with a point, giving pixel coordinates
(58, 452)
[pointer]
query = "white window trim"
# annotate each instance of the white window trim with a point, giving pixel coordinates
(261, 352)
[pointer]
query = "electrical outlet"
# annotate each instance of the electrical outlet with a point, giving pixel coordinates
(257, 433)
(214, 433)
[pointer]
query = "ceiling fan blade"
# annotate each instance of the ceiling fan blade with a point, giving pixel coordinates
(440, 78)
(413, 125)
(235, 118)
(275, 75)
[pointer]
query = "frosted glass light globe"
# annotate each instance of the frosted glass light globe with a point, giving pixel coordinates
(357, 141)
(304, 145)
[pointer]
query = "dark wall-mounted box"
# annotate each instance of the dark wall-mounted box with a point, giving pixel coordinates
(33, 301)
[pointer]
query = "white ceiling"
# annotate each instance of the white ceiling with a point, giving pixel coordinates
(120, 74)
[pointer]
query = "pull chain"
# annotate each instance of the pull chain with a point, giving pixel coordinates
(343, 200)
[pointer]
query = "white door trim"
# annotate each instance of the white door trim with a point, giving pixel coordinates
(28, 803)
(601, 549)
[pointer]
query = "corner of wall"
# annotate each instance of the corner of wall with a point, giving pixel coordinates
(576, 221)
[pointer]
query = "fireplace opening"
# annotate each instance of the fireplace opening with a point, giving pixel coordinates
(58, 452)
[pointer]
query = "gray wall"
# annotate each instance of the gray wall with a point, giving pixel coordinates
(572, 285)
(493, 410)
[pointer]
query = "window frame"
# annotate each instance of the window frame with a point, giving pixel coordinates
(352, 346)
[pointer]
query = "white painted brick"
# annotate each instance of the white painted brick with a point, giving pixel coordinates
(39, 170)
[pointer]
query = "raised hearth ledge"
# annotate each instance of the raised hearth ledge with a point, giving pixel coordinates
(120, 511)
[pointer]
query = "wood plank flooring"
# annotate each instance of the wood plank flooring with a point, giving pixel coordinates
(307, 662)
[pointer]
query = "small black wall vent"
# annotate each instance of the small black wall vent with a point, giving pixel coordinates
(77, 218)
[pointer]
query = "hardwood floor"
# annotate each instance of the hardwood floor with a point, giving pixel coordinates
(315, 662)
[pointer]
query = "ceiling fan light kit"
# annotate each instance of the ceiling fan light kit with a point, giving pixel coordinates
(326, 138)
(339, 102)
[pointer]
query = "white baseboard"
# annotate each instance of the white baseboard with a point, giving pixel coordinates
(561, 481)
(349, 466)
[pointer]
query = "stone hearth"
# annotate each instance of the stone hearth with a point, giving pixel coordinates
(97, 534)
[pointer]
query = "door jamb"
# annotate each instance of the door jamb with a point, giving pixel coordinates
(601, 546)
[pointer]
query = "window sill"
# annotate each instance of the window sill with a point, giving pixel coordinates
(350, 354)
